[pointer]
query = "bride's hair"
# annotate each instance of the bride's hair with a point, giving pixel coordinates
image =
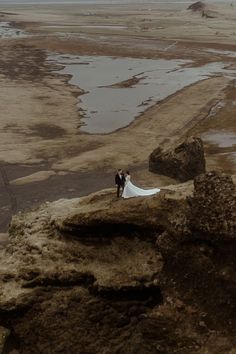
(127, 172)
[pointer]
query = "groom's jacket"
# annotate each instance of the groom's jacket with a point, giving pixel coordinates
(120, 180)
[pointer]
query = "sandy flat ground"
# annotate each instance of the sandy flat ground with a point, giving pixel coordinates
(43, 154)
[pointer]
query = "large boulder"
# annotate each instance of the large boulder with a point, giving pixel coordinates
(198, 6)
(213, 206)
(201, 8)
(183, 162)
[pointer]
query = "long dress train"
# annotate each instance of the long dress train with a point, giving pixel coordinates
(130, 190)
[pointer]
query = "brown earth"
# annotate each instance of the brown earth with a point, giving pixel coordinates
(40, 119)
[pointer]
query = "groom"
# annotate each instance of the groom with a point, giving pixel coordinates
(119, 181)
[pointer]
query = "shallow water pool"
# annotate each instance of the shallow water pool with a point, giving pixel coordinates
(110, 102)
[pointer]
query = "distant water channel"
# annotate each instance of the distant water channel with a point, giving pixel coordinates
(108, 106)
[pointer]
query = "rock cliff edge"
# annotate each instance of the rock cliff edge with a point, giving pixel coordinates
(144, 275)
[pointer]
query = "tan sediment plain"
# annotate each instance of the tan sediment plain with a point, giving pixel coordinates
(24, 116)
(169, 120)
(129, 146)
(169, 20)
(39, 117)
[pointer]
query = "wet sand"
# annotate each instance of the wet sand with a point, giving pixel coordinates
(44, 154)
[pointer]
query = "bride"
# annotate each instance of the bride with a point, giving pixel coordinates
(130, 190)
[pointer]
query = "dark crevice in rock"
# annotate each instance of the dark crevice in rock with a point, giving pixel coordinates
(63, 280)
(150, 294)
(11, 345)
(4, 334)
(106, 229)
(199, 241)
(13, 310)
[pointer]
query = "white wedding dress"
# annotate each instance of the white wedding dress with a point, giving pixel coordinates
(130, 190)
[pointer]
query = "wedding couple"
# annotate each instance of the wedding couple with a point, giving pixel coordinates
(129, 190)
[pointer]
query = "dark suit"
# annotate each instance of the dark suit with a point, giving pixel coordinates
(120, 182)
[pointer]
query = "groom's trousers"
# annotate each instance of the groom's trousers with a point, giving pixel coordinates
(119, 186)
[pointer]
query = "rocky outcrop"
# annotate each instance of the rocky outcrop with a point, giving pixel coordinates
(213, 207)
(201, 8)
(182, 162)
(101, 214)
(200, 262)
(101, 275)
(197, 6)
(77, 289)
